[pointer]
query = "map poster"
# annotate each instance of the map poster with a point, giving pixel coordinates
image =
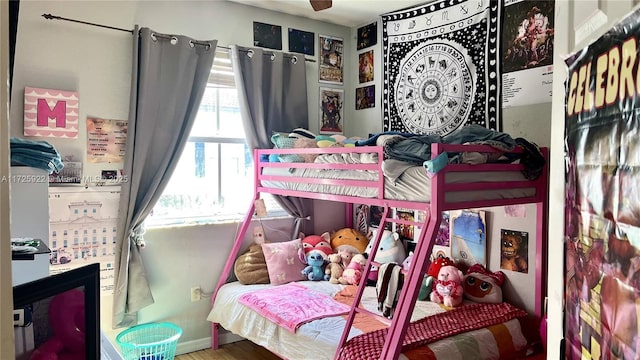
(106, 140)
(527, 52)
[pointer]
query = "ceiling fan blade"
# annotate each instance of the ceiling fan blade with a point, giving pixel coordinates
(318, 5)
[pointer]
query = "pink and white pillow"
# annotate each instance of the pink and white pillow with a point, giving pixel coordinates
(284, 263)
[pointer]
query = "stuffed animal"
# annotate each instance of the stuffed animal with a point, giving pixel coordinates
(334, 268)
(345, 255)
(432, 275)
(352, 274)
(350, 239)
(447, 287)
(388, 288)
(390, 250)
(321, 243)
(315, 265)
(482, 285)
(406, 264)
(251, 266)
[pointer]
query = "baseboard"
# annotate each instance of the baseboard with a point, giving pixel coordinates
(108, 350)
(205, 343)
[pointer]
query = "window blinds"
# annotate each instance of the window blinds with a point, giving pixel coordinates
(221, 75)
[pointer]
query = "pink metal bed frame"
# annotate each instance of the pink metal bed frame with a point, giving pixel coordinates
(439, 188)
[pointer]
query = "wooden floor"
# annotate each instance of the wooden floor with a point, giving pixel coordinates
(241, 350)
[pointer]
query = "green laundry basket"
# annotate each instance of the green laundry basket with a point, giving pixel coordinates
(155, 341)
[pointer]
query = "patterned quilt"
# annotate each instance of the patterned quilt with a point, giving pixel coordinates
(480, 331)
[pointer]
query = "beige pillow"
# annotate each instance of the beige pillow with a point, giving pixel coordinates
(303, 143)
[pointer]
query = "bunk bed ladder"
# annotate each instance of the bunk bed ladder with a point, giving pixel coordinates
(410, 290)
(409, 293)
(361, 286)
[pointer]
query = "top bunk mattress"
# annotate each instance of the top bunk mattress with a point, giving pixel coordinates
(402, 181)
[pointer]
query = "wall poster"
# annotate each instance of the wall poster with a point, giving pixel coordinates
(331, 110)
(106, 140)
(331, 59)
(514, 250)
(82, 225)
(367, 36)
(50, 113)
(267, 35)
(602, 200)
(527, 52)
(441, 67)
(468, 236)
(365, 97)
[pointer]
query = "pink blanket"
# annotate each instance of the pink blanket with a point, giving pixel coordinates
(291, 305)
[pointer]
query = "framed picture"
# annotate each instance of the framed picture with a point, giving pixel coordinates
(367, 35)
(365, 66)
(331, 104)
(267, 35)
(514, 250)
(302, 42)
(331, 57)
(365, 97)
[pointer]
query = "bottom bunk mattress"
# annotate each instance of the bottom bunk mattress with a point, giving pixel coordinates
(318, 338)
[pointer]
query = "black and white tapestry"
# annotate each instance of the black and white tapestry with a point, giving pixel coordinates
(441, 67)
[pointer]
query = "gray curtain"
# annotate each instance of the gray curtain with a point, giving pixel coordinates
(169, 76)
(272, 87)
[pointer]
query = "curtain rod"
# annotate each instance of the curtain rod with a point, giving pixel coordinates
(55, 17)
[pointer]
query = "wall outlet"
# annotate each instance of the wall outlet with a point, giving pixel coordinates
(196, 293)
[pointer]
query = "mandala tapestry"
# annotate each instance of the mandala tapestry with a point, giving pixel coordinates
(441, 67)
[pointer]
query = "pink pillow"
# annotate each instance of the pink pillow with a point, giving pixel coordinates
(283, 261)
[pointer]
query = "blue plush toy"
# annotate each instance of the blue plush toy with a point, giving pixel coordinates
(315, 266)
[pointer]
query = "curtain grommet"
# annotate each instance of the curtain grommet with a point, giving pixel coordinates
(273, 56)
(191, 44)
(294, 59)
(174, 40)
(153, 37)
(250, 53)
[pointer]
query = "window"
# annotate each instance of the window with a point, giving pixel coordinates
(213, 179)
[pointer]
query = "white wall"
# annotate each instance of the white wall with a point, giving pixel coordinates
(96, 63)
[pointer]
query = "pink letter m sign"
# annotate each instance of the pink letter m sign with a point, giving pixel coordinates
(50, 113)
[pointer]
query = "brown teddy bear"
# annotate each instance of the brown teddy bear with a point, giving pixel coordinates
(334, 268)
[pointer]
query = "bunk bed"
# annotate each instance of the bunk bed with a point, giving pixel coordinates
(370, 180)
